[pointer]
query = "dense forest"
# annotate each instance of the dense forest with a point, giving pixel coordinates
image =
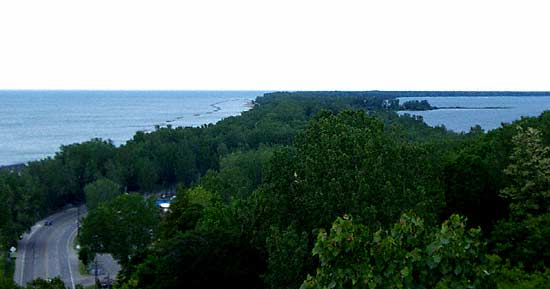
(305, 190)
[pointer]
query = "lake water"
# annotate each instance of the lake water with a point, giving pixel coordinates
(510, 108)
(33, 124)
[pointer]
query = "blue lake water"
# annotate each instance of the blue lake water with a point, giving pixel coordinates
(33, 124)
(510, 108)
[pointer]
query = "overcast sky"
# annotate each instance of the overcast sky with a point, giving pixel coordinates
(275, 45)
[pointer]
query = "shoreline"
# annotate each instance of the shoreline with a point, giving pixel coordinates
(250, 104)
(215, 107)
(458, 108)
(466, 107)
(13, 168)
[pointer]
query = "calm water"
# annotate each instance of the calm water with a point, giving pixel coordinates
(461, 120)
(33, 124)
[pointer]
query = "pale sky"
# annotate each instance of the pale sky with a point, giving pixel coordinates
(275, 45)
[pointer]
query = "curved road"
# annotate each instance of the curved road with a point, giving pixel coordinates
(47, 251)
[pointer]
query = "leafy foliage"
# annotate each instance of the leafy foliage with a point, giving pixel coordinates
(529, 171)
(525, 236)
(410, 255)
(288, 257)
(200, 260)
(55, 283)
(123, 227)
(240, 173)
(346, 164)
(524, 241)
(100, 191)
(187, 209)
(517, 278)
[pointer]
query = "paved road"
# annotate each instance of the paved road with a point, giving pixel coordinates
(47, 251)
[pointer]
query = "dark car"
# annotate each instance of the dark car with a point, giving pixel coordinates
(48, 223)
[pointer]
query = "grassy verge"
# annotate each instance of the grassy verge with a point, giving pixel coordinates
(82, 269)
(2, 264)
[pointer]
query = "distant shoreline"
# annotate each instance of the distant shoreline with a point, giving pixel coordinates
(458, 107)
(15, 167)
(480, 107)
(250, 104)
(215, 107)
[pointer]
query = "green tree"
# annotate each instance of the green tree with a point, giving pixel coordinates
(100, 191)
(409, 255)
(123, 227)
(525, 236)
(6, 216)
(200, 260)
(341, 164)
(55, 283)
(529, 172)
(7, 283)
(288, 254)
(187, 209)
(472, 187)
(216, 252)
(524, 242)
(516, 278)
(240, 173)
(84, 163)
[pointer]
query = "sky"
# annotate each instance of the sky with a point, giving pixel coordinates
(275, 45)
